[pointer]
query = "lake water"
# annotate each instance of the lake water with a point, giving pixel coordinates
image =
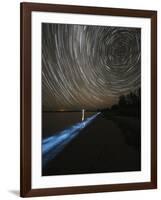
(53, 122)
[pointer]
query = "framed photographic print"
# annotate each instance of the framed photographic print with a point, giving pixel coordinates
(88, 99)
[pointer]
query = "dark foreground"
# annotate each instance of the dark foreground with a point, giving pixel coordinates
(106, 145)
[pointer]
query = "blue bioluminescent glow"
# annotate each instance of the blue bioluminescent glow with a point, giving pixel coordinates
(52, 145)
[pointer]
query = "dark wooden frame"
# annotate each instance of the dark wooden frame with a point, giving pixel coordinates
(25, 146)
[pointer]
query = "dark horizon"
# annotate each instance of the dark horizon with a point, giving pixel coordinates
(137, 93)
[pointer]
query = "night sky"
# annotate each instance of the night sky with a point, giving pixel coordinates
(88, 66)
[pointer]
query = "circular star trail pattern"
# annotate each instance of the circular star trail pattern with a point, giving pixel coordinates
(88, 66)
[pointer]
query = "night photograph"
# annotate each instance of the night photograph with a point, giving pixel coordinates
(91, 99)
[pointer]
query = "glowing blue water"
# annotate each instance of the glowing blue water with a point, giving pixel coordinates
(52, 145)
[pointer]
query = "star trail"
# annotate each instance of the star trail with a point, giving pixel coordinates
(88, 67)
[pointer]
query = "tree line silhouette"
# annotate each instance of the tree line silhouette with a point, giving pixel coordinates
(128, 105)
